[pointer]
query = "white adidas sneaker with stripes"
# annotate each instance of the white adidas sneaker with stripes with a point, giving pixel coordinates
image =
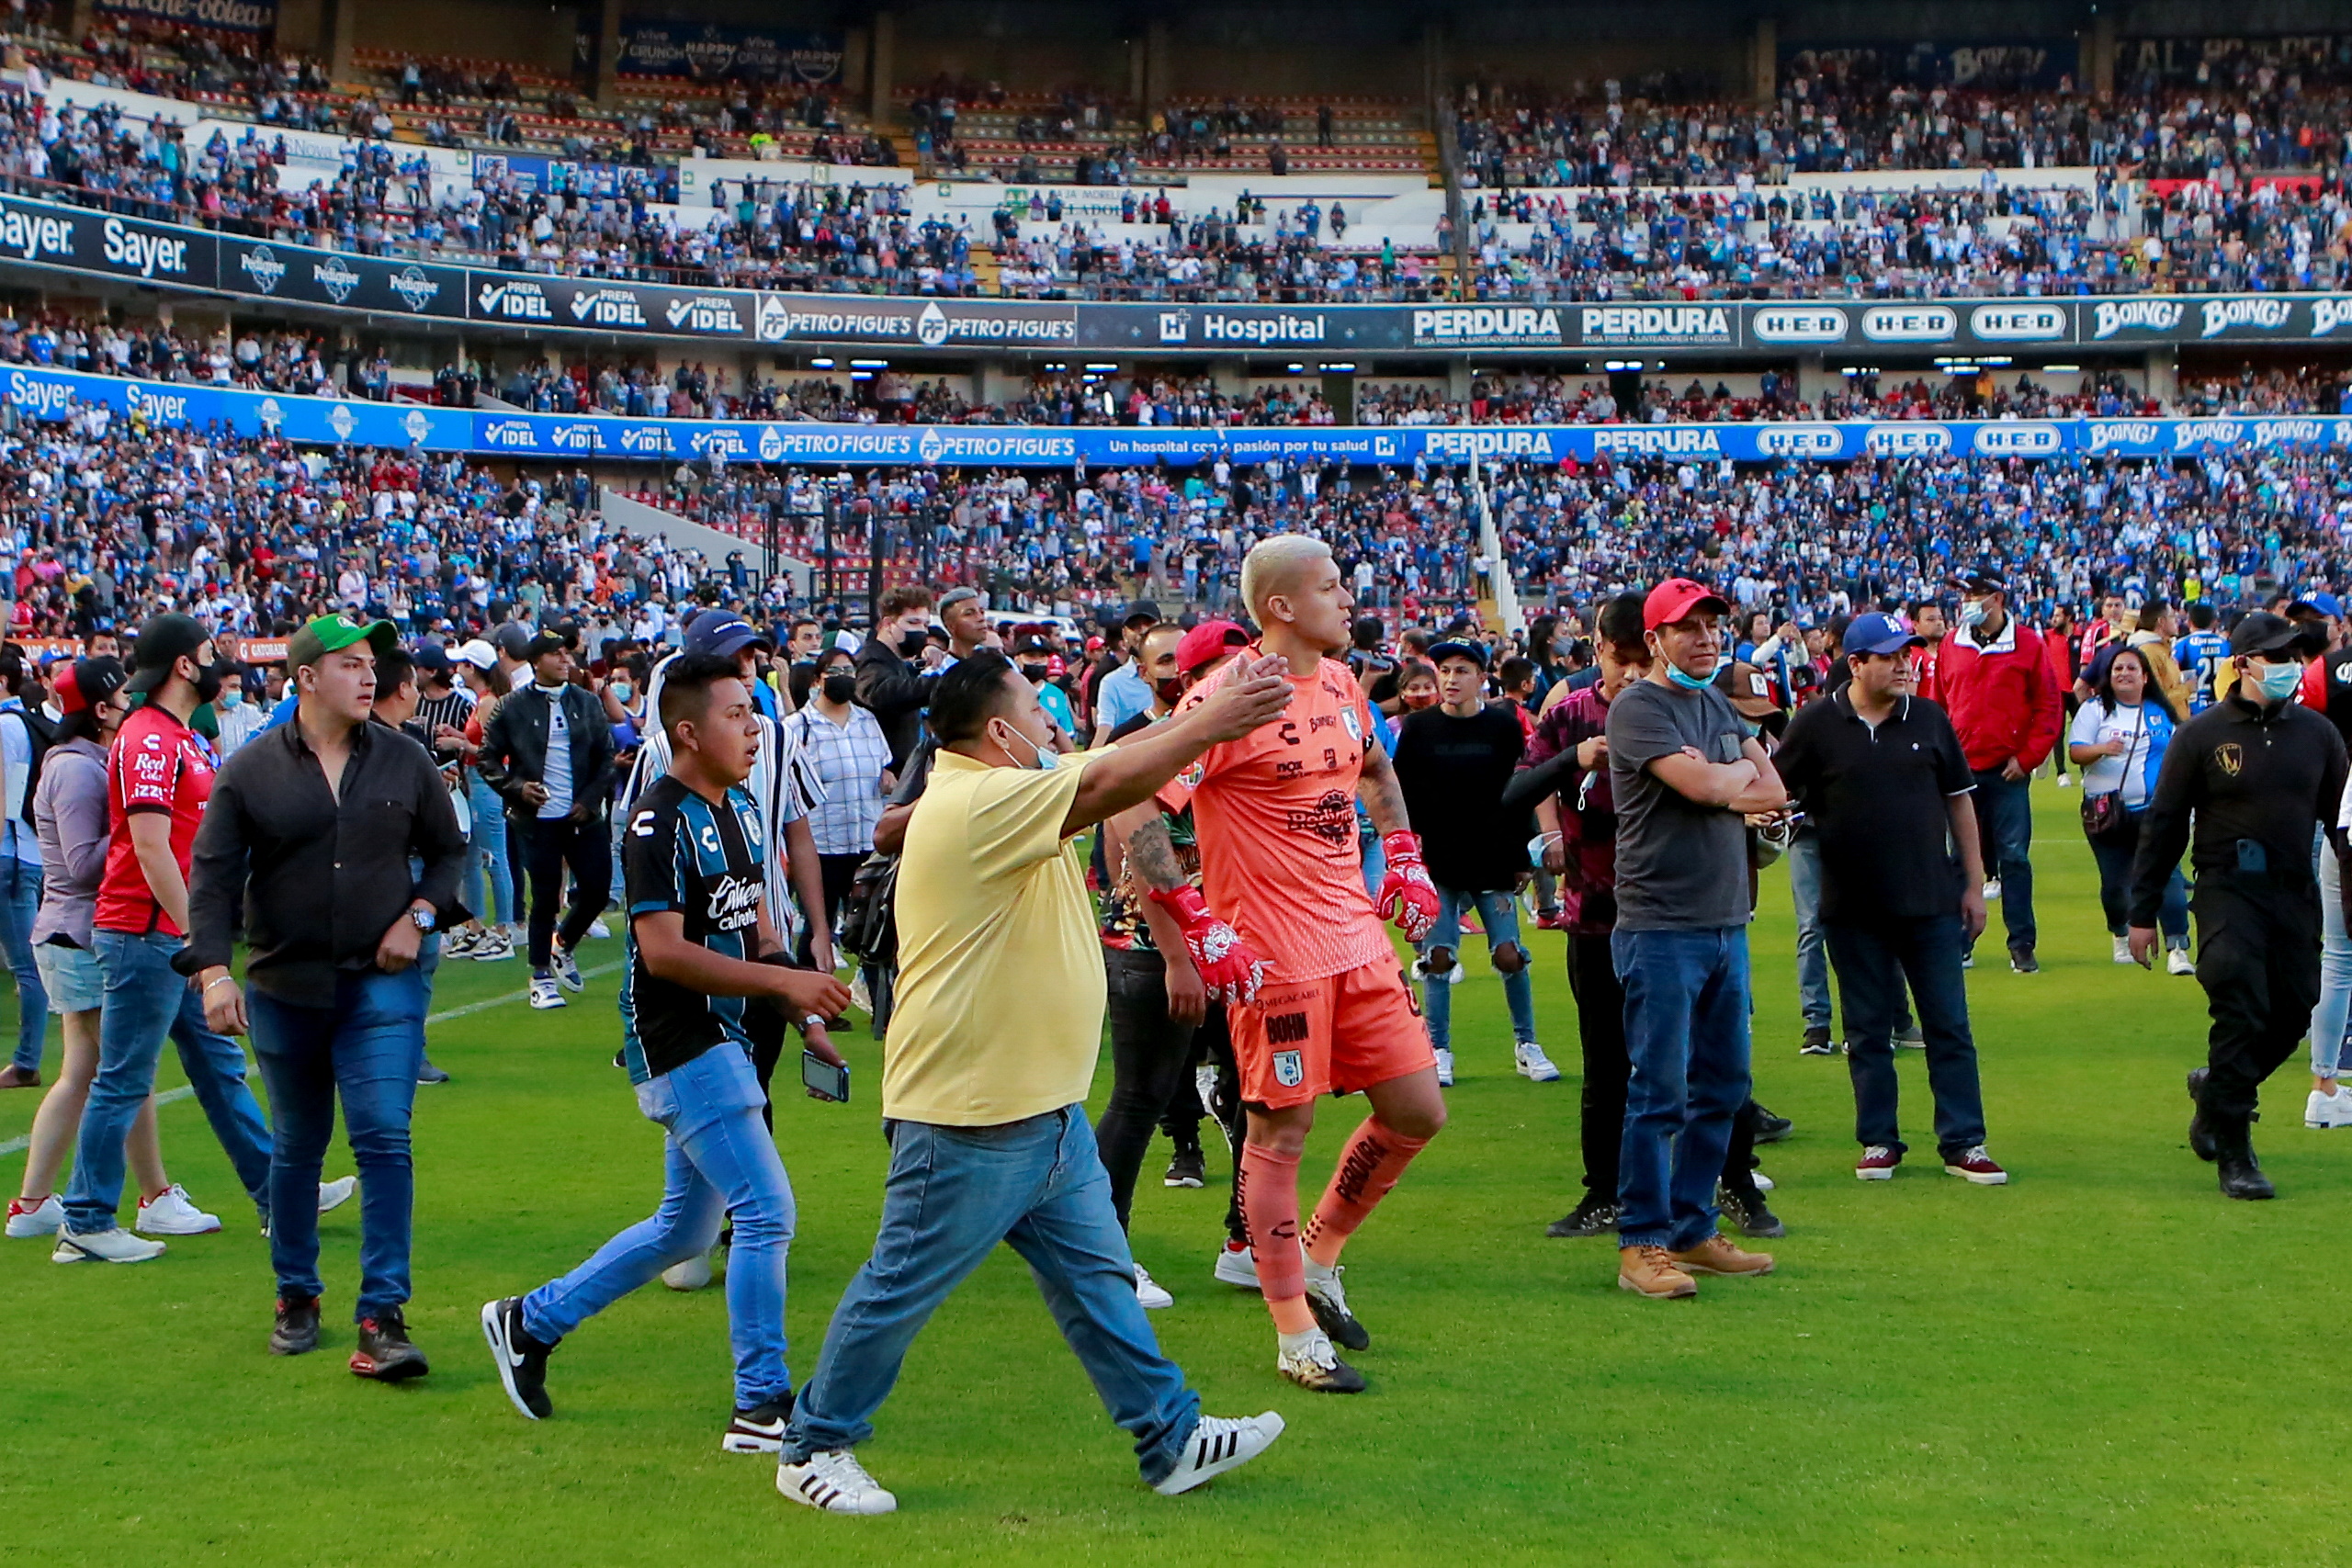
(833, 1480)
(1219, 1443)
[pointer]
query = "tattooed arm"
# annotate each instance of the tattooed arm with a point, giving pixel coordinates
(1139, 838)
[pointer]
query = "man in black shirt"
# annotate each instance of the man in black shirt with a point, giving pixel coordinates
(331, 843)
(1880, 775)
(1454, 762)
(2258, 773)
(698, 940)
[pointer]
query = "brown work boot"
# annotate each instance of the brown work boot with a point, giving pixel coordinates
(1649, 1271)
(1716, 1255)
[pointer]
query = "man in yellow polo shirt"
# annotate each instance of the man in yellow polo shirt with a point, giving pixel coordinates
(989, 1055)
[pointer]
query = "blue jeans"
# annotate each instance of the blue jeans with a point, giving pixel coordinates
(367, 1046)
(20, 902)
(2114, 855)
(2005, 817)
(145, 1001)
(489, 880)
(1813, 959)
(1686, 1035)
(954, 1193)
(2331, 1052)
(1500, 913)
(1875, 958)
(718, 1159)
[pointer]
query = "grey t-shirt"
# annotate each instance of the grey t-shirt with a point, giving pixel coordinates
(1680, 865)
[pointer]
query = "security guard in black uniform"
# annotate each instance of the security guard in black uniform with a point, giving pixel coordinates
(2259, 770)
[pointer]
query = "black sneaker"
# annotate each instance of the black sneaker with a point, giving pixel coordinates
(385, 1353)
(427, 1072)
(1326, 1298)
(1187, 1169)
(759, 1430)
(1593, 1216)
(296, 1333)
(2022, 960)
(1817, 1043)
(1745, 1208)
(1771, 1128)
(522, 1360)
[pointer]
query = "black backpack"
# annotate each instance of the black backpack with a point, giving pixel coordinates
(43, 735)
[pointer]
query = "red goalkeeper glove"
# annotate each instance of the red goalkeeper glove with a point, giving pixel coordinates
(1408, 896)
(1228, 968)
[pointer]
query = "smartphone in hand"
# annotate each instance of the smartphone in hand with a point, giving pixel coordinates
(823, 1080)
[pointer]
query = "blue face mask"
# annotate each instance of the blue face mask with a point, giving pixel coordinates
(1675, 673)
(2276, 683)
(1043, 761)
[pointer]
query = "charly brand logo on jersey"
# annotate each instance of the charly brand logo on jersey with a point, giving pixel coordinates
(416, 289)
(607, 307)
(514, 301)
(1910, 323)
(261, 264)
(1799, 323)
(337, 278)
(2109, 317)
(708, 839)
(641, 825)
(1289, 1071)
(705, 313)
(2018, 439)
(32, 236)
(2018, 323)
(145, 254)
(2218, 316)
(1800, 441)
(2329, 314)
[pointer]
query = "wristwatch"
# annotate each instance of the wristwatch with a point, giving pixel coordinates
(421, 917)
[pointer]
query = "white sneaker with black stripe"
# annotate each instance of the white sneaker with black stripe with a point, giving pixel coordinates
(833, 1480)
(567, 971)
(759, 1430)
(1217, 1444)
(543, 994)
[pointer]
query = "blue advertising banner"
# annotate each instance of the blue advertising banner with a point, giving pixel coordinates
(330, 422)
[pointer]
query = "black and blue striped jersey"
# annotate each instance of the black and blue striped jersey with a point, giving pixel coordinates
(682, 853)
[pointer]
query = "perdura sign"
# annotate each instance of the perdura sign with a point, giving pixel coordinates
(49, 235)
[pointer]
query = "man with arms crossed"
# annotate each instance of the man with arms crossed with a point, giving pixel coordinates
(1684, 773)
(699, 927)
(1275, 815)
(984, 1074)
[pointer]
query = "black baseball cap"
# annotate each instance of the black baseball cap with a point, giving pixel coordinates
(1982, 578)
(1458, 647)
(164, 642)
(2260, 632)
(1141, 610)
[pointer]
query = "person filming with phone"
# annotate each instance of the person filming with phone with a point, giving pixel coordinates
(693, 856)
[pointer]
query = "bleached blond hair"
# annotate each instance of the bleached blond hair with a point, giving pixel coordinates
(1272, 564)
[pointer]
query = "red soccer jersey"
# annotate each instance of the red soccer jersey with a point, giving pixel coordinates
(157, 764)
(1275, 816)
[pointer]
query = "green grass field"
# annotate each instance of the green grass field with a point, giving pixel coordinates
(2102, 1361)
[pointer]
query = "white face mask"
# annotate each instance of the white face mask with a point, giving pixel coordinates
(1971, 612)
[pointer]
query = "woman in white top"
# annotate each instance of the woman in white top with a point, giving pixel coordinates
(2119, 739)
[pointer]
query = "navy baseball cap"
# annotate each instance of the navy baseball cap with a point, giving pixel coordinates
(1876, 633)
(1458, 647)
(721, 632)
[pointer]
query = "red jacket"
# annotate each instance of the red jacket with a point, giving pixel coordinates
(2004, 704)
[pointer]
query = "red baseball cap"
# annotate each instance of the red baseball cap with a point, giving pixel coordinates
(1676, 598)
(1205, 643)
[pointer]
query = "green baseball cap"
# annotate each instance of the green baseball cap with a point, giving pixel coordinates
(332, 633)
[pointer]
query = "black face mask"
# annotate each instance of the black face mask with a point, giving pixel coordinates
(1170, 691)
(1035, 673)
(840, 688)
(912, 644)
(208, 680)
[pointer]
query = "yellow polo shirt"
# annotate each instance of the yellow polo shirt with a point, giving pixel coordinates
(998, 1013)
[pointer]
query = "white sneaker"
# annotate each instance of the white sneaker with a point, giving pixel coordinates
(113, 1244)
(173, 1212)
(461, 943)
(1533, 1064)
(492, 947)
(1205, 1085)
(543, 994)
(2178, 962)
(1238, 1266)
(599, 930)
(2122, 949)
(2319, 1113)
(44, 1218)
(567, 971)
(1763, 1183)
(1219, 1443)
(1992, 888)
(2066, 780)
(691, 1275)
(1444, 1066)
(836, 1482)
(1149, 1293)
(336, 1193)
